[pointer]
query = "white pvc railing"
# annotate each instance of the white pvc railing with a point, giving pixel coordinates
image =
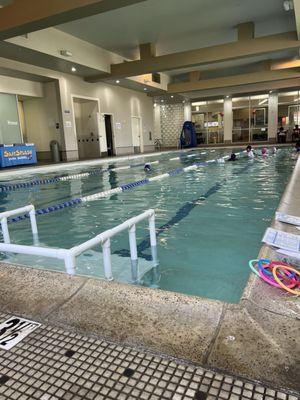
(6, 214)
(69, 255)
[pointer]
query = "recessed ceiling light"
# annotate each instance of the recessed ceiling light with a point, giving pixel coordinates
(162, 101)
(172, 97)
(227, 97)
(145, 88)
(117, 81)
(73, 69)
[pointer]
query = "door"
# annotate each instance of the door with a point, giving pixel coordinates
(136, 134)
(109, 135)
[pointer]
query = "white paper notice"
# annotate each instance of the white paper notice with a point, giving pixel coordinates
(288, 219)
(283, 240)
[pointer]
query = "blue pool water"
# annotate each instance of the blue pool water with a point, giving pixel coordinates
(209, 221)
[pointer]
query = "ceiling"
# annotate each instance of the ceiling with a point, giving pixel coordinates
(177, 25)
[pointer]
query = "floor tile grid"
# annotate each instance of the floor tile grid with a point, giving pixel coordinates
(38, 367)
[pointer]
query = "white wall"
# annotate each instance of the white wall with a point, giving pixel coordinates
(41, 115)
(122, 103)
(20, 86)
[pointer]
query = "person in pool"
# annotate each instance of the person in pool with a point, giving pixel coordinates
(147, 167)
(297, 146)
(250, 152)
(232, 157)
(264, 152)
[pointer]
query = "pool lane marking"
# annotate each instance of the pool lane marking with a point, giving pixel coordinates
(57, 179)
(181, 213)
(106, 193)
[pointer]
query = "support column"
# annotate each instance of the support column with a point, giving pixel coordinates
(272, 117)
(228, 120)
(187, 111)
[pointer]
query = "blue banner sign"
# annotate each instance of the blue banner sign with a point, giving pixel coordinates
(17, 155)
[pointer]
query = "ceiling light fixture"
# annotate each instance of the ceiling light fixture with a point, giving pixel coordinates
(145, 88)
(73, 69)
(117, 81)
(162, 101)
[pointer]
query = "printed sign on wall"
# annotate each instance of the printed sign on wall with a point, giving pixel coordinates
(14, 330)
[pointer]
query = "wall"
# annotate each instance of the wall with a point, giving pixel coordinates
(122, 103)
(171, 120)
(20, 87)
(41, 116)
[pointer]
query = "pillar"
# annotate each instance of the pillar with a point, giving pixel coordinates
(272, 117)
(187, 111)
(228, 120)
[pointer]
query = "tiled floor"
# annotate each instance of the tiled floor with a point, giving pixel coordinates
(52, 364)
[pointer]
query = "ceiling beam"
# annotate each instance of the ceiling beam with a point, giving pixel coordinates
(24, 16)
(246, 31)
(194, 76)
(207, 55)
(285, 64)
(235, 80)
(147, 50)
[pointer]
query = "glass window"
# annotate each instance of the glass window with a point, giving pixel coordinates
(289, 114)
(10, 131)
(208, 119)
(259, 118)
(250, 118)
(241, 119)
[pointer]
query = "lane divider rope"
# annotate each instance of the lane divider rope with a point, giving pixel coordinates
(97, 171)
(122, 188)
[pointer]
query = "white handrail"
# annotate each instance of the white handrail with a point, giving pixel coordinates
(6, 214)
(69, 255)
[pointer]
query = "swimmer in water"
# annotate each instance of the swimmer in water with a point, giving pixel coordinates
(147, 167)
(274, 150)
(264, 152)
(250, 152)
(232, 157)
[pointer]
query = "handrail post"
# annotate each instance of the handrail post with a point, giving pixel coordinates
(152, 230)
(33, 221)
(133, 253)
(107, 259)
(5, 231)
(70, 264)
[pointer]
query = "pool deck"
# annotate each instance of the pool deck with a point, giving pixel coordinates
(256, 339)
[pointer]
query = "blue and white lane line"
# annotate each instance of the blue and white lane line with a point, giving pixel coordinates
(122, 188)
(57, 179)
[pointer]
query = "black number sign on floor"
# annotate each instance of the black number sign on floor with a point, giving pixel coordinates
(14, 330)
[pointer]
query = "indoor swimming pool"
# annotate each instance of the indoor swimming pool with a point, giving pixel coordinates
(209, 221)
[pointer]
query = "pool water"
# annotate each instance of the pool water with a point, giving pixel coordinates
(209, 221)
